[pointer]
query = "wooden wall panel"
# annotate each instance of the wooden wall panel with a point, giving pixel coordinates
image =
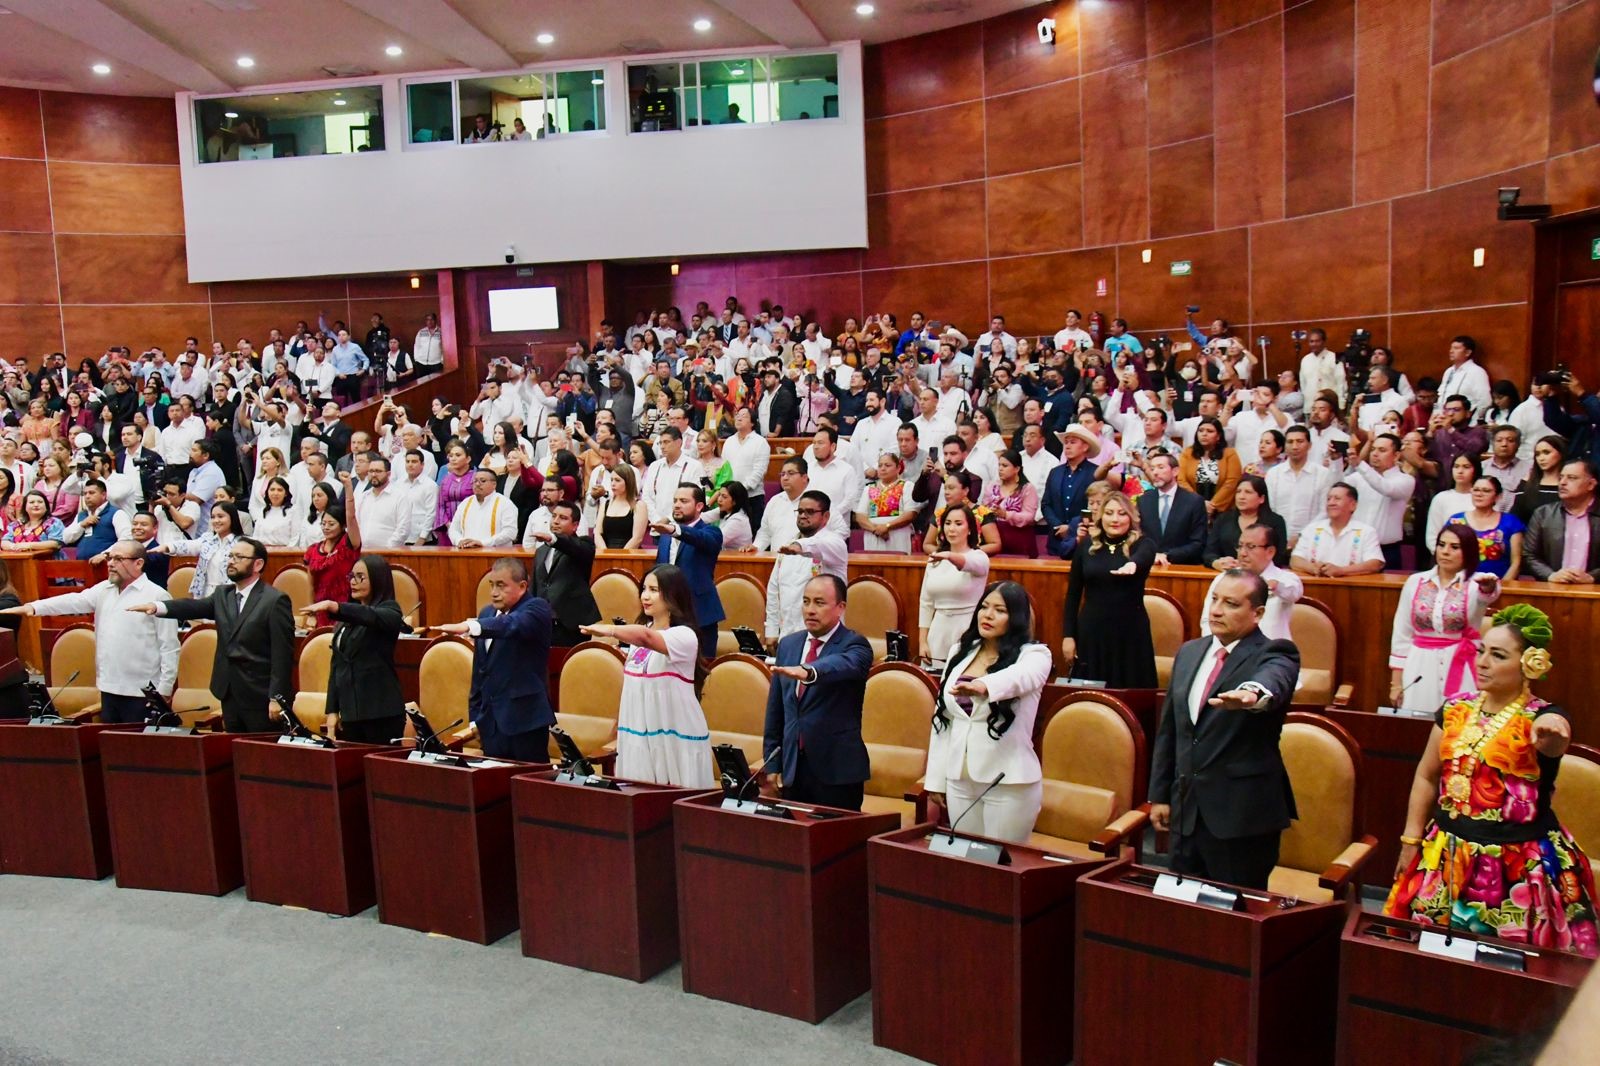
(939, 225)
(1014, 59)
(1034, 291)
(1572, 182)
(1461, 25)
(927, 71)
(31, 331)
(110, 129)
(116, 198)
(1168, 26)
(827, 299)
(956, 292)
(1391, 109)
(395, 287)
(1149, 297)
(404, 315)
(27, 269)
(1032, 129)
(91, 330)
(1231, 14)
(1317, 163)
(1115, 178)
(1180, 94)
(793, 264)
(1319, 50)
(1310, 268)
(1036, 212)
(125, 270)
(1491, 107)
(21, 127)
(24, 196)
(1438, 271)
(275, 290)
(1574, 118)
(1182, 180)
(1249, 123)
(925, 148)
(229, 322)
(1501, 332)
(1110, 34)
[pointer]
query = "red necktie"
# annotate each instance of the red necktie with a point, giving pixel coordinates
(814, 646)
(1216, 672)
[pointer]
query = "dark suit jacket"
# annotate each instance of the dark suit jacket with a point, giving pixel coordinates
(1227, 767)
(362, 684)
(149, 466)
(698, 546)
(1546, 539)
(1185, 538)
(826, 716)
(565, 586)
(156, 566)
(255, 652)
(1223, 540)
(510, 690)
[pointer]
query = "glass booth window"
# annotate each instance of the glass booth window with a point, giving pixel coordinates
(275, 125)
(805, 87)
(528, 107)
(734, 91)
(432, 108)
(654, 98)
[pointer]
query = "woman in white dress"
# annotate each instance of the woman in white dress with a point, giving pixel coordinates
(952, 584)
(272, 464)
(887, 510)
(728, 515)
(661, 730)
(983, 723)
(1433, 649)
(277, 526)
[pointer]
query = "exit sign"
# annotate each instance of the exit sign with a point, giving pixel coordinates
(1594, 248)
(1182, 267)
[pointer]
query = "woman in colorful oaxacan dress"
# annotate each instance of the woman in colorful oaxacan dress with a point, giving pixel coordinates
(886, 508)
(1492, 857)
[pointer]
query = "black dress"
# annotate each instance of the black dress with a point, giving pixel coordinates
(1105, 615)
(616, 530)
(363, 688)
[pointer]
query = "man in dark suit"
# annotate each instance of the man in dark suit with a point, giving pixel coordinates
(692, 546)
(509, 704)
(1545, 547)
(255, 640)
(1217, 778)
(813, 730)
(562, 565)
(1172, 514)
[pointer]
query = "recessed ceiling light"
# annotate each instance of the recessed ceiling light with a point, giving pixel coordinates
(101, 68)
(702, 25)
(597, 81)
(246, 62)
(394, 50)
(338, 103)
(865, 9)
(546, 38)
(230, 114)
(737, 72)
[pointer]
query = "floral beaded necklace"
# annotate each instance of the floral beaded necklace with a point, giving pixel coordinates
(1466, 747)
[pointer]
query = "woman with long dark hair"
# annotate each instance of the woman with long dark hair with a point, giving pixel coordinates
(661, 730)
(210, 550)
(365, 704)
(332, 558)
(983, 722)
(278, 525)
(1549, 455)
(1250, 508)
(1209, 467)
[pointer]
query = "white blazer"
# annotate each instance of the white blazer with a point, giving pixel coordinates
(964, 750)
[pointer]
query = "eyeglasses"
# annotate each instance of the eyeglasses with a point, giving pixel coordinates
(808, 510)
(354, 578)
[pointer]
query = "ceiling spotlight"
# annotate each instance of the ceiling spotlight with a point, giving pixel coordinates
(1513, 210)
(338, 102)
(101, 68)
(246, 62)
(230, 114)
(394, 50)
(865, 9)
(737, 72)
(597, 81)
(702, 25)
(546, 38)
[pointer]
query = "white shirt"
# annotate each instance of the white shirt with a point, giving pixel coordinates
(1036, 468)
(1320, 439)
(428, 349)
(778, 526)
(1358, 543)
(748, 456)
(1528, 416)
(538, 522)
(1470, 380)
(280, 528)
(385, 516)
(1371, 413)
(176, 439)
(981, 342)
(131, 650)
(1065, 336)
(195, 388)
(1322, 371)
(1510, 479)
(825, 552)
(1248, 428)
(272, 435)
(1198, 689)
(1185, 429)
(1284, 591)
(491, 521)
(316, 377)
(931, 432)
(875, 435)
(423, 494)
(169, 532)
(662, 479)
(1298, 495)
(491, 412)
(952, 401)
(1383, 498)
(841, 482)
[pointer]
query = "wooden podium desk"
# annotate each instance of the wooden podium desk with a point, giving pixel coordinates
(1168, 983)
(441, 844)
(174, 818)
(1004, 930)
(618, 845)
(772, 912)
(303, 824)
(1398, 1003)
(53, 800)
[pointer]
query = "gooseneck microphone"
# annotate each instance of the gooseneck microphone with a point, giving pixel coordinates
(951, 833)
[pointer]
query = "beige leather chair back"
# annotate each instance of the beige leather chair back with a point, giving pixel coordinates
(616, 593)
(1323, 776)
(311, 694)
(1167, 629)
(735, 703)
(1317, 637)
(872, 608)
(896, 721)
(1577, 798)
(295, 583)
(444, 679)
(1089, 761)
(178, 582)
(744, 603)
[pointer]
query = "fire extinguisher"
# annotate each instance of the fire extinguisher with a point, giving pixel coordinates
(1097, 325)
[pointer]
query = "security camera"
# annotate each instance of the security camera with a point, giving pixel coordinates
(511, 253)
(1047, 31)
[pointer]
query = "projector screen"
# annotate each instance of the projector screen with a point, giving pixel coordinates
(519, 310)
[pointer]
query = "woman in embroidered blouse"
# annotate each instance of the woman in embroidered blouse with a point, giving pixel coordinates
(1482, 849)
(1014, 503)
(455, 485)
(37, 528)
(661, 730)
(1499, 532)
(211, 550)
(1436, 624)
(887, 510)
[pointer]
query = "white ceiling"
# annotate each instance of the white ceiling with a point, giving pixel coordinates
(161, 47)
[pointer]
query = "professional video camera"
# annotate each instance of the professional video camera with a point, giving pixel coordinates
(1357, 360)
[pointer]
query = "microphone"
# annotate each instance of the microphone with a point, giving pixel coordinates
(738, 793)
(951, 833)
(47, 710)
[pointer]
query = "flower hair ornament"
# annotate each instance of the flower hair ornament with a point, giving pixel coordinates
(1534, 627)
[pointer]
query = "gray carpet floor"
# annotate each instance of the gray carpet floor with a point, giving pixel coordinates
(92, 973)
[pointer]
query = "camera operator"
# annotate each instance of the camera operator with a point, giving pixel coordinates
(139, 465)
